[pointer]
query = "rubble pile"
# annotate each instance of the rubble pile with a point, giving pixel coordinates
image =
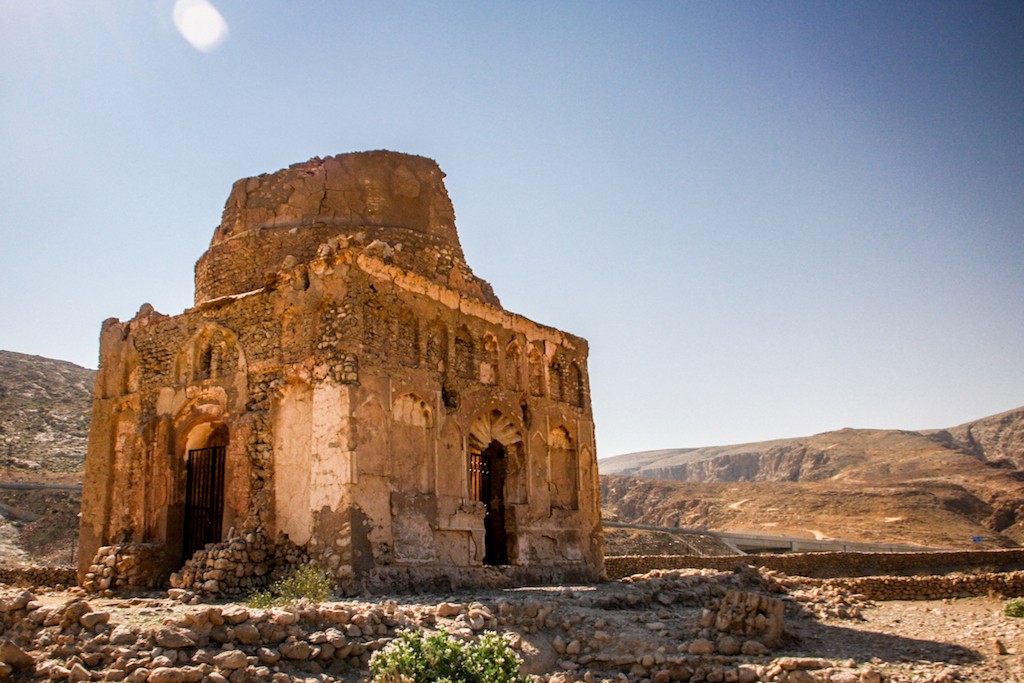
(696, 625)
(237, 566)
(123, 565)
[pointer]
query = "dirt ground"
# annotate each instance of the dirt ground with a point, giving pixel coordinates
(928, 640)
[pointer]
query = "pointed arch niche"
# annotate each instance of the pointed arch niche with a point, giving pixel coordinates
(535, 362)
(513, 366)
(213, 353)
(489, 361)
(564, 485)
(411, 443)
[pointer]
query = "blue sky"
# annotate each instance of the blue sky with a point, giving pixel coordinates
(769, 219)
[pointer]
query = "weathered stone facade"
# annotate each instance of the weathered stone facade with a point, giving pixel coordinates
(346, 385)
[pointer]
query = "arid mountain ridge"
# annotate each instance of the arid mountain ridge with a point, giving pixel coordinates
(942, 487)
(44, 413)
(997, 440)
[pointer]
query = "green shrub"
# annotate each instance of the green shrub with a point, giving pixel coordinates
(308, 583)
(414, 657)
(1014, 608)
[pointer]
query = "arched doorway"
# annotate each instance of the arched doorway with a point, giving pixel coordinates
(491, 439)
(205, 453)
(487, 471)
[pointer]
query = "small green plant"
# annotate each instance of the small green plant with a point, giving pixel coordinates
(308, 583)
(1014, 608)
(414, 657)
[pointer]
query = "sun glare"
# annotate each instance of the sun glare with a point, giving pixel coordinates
(200, 24)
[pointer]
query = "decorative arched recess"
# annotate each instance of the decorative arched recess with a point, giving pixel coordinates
(212, 354)
(513, 366)
(410, 409)
(437, 346)
(124, 486)
(372, 448)
(535, 362)
(411, 443)
(451, 461)
(405, 333)
(492, 426)
(465, 354)
(292, 443)
(575, 387)
(564, 470)
(375, 325)
(539, 474)
(489, 362)
(588, 479)
(556, 377)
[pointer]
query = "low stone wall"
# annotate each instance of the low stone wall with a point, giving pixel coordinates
(830, 565)
(1007, 585)
(38, 575)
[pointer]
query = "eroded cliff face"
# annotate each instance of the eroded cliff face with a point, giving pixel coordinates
(796, 462)
(998, 439)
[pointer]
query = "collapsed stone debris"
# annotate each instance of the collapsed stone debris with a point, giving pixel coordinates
(654, 627)
(344, 387)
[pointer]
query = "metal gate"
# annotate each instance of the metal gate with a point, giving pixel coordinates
(204, 498)
(479, 478)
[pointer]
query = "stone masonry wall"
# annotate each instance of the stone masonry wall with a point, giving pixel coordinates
(227, 269)
(366, 196)
(1004, 584)
(829, 565)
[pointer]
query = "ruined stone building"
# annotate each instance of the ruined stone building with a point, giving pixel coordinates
(346, 390)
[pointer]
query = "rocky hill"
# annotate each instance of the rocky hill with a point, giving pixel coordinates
(998, 439)
(44, 431)
(941, 487)
(44, 414)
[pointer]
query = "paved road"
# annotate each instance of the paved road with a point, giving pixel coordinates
(32, 486)
(745, 543)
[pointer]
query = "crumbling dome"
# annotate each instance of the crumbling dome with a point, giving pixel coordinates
(399, 199)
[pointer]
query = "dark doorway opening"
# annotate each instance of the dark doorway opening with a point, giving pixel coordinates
(204, 498)
(487, 484)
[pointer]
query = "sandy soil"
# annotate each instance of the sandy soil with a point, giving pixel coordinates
(933, 640)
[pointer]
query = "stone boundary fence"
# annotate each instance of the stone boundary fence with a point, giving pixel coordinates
(38, 575)
(882, 588)
(827, 565)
